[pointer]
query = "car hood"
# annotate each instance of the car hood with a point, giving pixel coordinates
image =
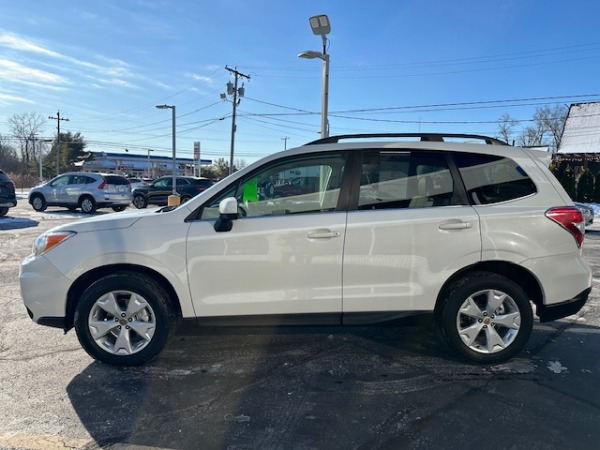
(112, 221)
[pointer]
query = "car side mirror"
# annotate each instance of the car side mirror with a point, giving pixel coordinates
(228, 212)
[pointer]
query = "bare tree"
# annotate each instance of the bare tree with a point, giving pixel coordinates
(551, 121)
(505, 127)
(530, 137)
(547, 128)
(25, 127)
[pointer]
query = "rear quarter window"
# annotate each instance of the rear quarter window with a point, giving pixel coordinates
(113, 179)
(493, 179)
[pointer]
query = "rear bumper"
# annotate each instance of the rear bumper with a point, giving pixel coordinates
(547, 313)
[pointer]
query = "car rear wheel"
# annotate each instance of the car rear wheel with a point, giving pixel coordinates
(486, 318)
(39, 203)
(139, 201)
(3, 211)
(124, 319)
(87, 204)
(185, 198)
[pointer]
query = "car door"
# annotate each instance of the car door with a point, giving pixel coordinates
(75, 188)
(282, 256)
(159, 192)
(410, 231)
(57, 192)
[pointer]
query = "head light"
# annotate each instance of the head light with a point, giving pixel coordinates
(49, 240)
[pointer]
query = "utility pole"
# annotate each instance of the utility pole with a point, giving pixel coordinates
(285, 139)
(58, 119)
(233, 90)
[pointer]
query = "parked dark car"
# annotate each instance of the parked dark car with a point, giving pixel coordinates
(157, 192)
(8, 198)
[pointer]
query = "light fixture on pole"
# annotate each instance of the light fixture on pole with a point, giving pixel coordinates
(173, 198)
(321, 27)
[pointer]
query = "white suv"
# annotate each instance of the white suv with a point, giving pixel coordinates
(473, 232)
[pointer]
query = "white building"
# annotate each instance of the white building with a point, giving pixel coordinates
(139, 165)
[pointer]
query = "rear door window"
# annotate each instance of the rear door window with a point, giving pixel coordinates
(113, 179)
(405, 179)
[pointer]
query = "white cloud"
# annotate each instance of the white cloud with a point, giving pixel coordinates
(15, 72)
(8, 99)
(202, 78)
(17, 43)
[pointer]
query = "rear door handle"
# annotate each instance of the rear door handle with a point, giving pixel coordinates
(323, 234)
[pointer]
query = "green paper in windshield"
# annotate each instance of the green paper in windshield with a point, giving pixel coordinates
(251, 191)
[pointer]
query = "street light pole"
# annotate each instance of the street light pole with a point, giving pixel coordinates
(148, 168)
(322, 27)
(173, 198)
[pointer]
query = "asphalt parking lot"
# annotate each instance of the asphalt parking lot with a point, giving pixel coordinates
(292, 388)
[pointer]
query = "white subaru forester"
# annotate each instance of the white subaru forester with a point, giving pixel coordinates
(474, 232)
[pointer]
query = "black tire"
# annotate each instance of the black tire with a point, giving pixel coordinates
(39, 202)
(3, 211)
(485, 318)
(87, 204)
(139, 201)
(145, 331)
(119, 208)
(184, 198)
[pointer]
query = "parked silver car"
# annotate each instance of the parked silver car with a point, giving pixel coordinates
(85, 190)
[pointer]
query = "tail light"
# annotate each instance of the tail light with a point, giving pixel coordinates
(103, 184)
(571, 219)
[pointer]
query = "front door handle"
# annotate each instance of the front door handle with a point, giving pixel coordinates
(455, 226)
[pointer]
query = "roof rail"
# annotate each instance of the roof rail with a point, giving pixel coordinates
(431, 137)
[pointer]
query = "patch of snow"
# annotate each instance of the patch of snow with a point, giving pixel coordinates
(557, 367)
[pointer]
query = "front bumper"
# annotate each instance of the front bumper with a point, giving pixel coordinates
(547, 313)
(44, 291)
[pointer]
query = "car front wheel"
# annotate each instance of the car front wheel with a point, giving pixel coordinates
(39, 203)
(486, 318)
(124, 319)
(3, 211)
(139, 201)
(119, 208)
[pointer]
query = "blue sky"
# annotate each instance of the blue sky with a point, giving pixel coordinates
(396, 65)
